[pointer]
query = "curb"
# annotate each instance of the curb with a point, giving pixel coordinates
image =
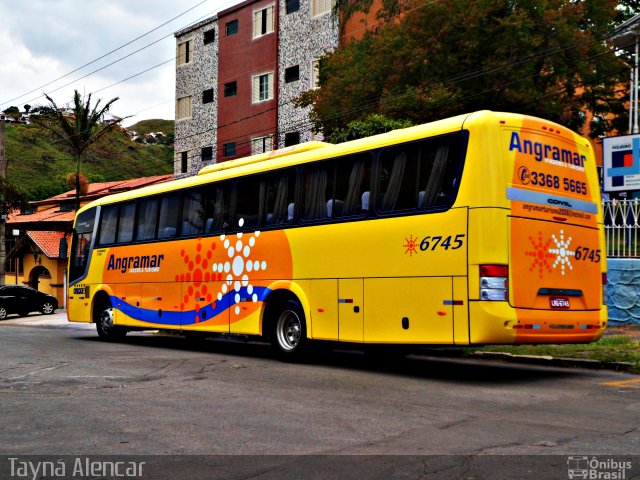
(546, 360)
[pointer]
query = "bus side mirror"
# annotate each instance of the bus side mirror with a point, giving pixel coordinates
(64, 248)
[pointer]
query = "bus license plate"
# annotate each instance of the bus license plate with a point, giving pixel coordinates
(560, 302)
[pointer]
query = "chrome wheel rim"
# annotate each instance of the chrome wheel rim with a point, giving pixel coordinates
(47, 308)
(289, 330)
(106, 319)
(3, 313)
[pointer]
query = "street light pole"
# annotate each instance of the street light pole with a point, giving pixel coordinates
(3, 214)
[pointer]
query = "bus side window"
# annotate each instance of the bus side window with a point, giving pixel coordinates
(353, 178)
(317, 182)
(168, 218)
(192, 213)
(279, 195)
(147, 219)
(108, 223)
(217, 208)
(433, 177)
(248, 193)
(126, 220)
(398, 178)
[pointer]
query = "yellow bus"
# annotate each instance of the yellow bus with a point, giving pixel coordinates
(485, 228)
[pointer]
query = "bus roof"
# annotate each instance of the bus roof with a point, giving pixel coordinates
(310, 152)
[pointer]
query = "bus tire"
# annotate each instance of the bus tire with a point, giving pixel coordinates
(105, 327)
(289, 336)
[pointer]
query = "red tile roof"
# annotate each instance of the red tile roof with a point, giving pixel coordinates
(96, 190)
(48, 215)
(102, 189)
(48, 242)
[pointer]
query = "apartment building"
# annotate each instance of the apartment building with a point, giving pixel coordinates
(237, 74)
(196, 97)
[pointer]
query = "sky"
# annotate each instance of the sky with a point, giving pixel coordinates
(44, 41)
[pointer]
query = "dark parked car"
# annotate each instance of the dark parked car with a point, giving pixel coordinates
(22, 300)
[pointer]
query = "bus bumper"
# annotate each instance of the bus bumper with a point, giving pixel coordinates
(499, 323)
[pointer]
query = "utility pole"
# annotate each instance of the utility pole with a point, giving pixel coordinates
(3, 213)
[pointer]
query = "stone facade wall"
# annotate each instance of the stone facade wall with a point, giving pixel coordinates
(302, 39)
(622, 294)
(192, 78)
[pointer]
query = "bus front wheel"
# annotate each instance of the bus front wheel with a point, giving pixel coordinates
(107, 330)
(290, 333)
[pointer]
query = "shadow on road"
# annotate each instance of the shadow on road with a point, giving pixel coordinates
(424, 365)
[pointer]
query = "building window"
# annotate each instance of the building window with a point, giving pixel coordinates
(231, 27)
(183, 108)
(261, 145)
(209, 36)
(184, 162)
(207, 96)
(229, 149)
(292, 6)
(263, 22)
(315, 74)
(184, 52)
(230, 89)
(292, 74)
(320, 7)
(206, 155)
(262, 87)
(291, 138)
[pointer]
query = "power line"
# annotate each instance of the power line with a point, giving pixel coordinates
(106, 55)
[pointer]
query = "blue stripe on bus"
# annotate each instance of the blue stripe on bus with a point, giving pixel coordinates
(556, 201)
(169, 317)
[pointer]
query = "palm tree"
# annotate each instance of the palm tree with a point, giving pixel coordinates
(78, 129)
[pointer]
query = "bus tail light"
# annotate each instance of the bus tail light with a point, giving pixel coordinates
(494, 282)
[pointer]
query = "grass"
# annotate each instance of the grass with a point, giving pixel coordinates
(614, 348)
(38, 164)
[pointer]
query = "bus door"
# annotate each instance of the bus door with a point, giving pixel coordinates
(351, 310)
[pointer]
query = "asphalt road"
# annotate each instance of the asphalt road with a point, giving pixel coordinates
(64, 392)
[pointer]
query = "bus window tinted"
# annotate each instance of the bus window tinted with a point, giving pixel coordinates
(317, 181)
(126, 219)
(108, 224)
(192, 213)
(279, 198)
(353, 179)
(147, 219)
(217, 208)
(168, 219)
(420, 174)
(248, 202)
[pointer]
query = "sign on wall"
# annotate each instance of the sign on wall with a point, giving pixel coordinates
(621, 161)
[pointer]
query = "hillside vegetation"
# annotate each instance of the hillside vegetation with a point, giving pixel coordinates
(38, 163)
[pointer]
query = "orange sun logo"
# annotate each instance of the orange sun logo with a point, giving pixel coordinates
(411, 247)
(540, 254)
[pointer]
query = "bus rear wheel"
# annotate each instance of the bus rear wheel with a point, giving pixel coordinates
(290, 333)
(107, 330)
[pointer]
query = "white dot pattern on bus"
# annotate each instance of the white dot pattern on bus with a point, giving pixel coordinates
(239, 265)
(562, 252)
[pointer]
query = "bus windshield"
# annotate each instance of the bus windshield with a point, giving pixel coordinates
(82, 237)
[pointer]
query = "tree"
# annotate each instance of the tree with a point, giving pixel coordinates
(79, 129)
(371, 125)
(444, 57)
